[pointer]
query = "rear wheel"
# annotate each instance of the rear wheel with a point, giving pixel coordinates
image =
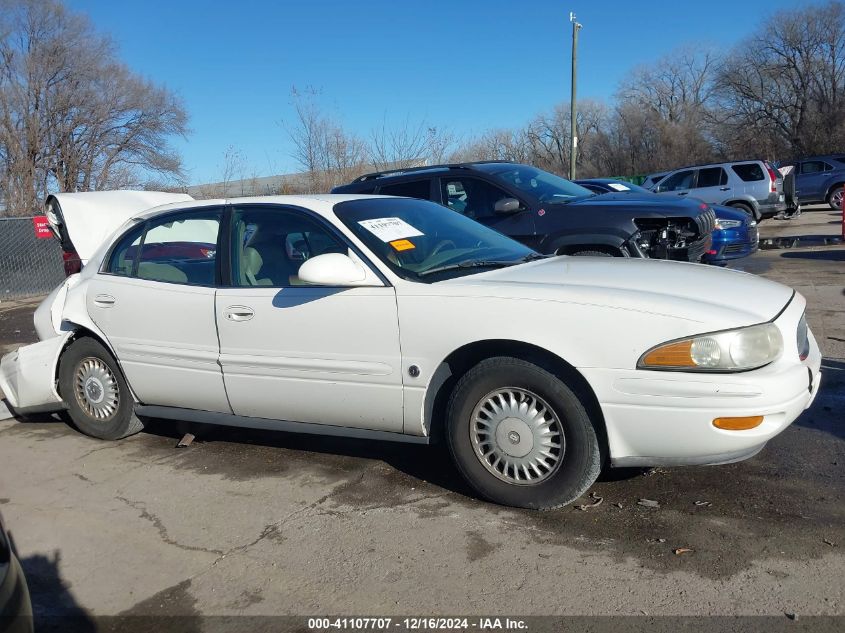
(96, 394)
(834, 199)
(521, 436)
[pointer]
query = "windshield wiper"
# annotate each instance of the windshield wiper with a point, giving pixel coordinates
(483, 263)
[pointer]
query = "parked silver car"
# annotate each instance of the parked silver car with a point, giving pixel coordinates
(751, 185)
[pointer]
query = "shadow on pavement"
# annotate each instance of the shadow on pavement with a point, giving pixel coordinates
(822, 415)
(53, 606)
(832, 255)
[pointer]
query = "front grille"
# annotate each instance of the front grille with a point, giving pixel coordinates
(706, 222)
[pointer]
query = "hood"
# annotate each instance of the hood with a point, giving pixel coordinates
(81, 221)
(719, 297)
(644, 205)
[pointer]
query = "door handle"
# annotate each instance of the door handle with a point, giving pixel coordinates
(724, 188)
(104, 301)
(683, 193)
(239, 313)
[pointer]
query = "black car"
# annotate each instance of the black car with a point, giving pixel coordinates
(551, 214)
(15, 607)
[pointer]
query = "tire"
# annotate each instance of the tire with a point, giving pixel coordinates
(742, 206)
(112, 417)
(578, 460)
(588, 253)
(834, 198)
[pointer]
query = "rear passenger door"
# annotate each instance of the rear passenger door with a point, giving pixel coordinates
(476, 198)
(154, 301)
(711, 185)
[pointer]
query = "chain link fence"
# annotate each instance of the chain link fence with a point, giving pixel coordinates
(29, 266)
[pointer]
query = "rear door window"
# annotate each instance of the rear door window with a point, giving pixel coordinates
(414, 189)
(749, 172)
(711, 177)
(179, 248)
(815, 167)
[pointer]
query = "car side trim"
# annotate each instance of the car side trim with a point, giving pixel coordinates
(227, 419)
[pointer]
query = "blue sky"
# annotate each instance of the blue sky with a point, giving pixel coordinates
(468, 65)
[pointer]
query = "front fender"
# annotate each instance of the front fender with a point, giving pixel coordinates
(614, 240)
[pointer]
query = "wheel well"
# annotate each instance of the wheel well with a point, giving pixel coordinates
(83, 332)
(831, 188)
(464, 358)
(739, 203)
(602, 248)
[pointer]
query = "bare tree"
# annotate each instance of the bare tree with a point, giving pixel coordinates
(781, 92)
(329, 155)
(398, 146)
(72, 117)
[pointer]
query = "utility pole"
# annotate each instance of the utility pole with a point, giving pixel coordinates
(573, 146)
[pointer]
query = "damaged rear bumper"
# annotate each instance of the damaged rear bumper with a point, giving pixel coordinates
(28, 376)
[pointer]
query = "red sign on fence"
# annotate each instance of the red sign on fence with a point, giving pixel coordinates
(42, 229)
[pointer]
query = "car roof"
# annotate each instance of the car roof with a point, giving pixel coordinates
(482, 165)
(718, 164)
(323, 203)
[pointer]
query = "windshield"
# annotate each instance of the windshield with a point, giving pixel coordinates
(544, 186)
(423, 241)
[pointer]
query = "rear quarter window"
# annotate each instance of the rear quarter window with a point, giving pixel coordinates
(749, 172)
(415, 189)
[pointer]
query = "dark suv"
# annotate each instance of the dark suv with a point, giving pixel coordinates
(553, 215)
(819, 179)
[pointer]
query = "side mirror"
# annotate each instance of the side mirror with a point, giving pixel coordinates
(332, 269)
(506, 206)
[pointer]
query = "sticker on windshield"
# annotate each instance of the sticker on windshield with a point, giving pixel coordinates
(618, 186)
(390, 229)
(402, 245)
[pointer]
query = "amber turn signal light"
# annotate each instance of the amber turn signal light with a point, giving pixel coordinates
(738, 424)
(673, 355)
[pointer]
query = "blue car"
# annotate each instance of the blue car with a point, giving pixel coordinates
(735, 235)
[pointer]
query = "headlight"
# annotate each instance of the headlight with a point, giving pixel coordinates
(728, 224)
(731, 350)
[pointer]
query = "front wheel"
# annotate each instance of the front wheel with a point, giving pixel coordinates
(521, 436)
(96, 394)
(835, 199)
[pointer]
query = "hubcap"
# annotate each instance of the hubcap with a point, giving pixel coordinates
(517, 436)
(96, 389)
(836, 198)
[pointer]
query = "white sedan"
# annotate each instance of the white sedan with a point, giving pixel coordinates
(394, 318)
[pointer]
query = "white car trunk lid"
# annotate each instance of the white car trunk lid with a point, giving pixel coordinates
(81, 221)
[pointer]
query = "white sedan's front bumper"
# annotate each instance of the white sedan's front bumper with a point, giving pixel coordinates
(656, 418)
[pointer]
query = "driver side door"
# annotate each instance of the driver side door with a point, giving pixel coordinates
(301, 353)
